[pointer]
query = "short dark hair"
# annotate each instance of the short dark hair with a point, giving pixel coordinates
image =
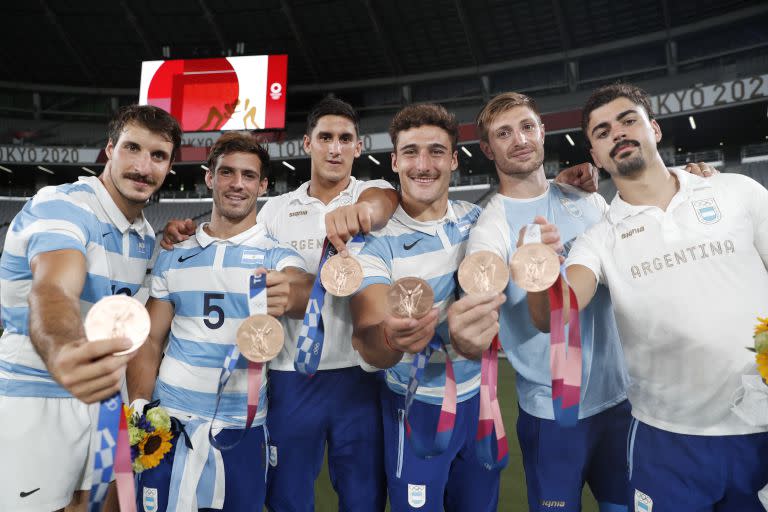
(500, 104)
(332, 107)
(424, 114)
(607, 94)
(154, 119)
(238, 142)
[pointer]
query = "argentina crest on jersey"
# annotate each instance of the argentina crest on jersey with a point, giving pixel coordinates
(643, 502)
(252, 257)
(149, 499)
(707, 210)
(571, 207)
(417, 495)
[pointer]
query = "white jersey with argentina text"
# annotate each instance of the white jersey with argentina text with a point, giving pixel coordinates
(206, 279)
(298, 219)
(432, 251)
(79, 216)
(604, 378)
(687, 286)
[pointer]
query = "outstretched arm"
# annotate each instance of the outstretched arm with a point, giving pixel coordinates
(372, 211)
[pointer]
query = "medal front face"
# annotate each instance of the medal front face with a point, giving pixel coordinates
(260, 338)
(118, 316)
(410, 297)
(535, 267)
(341, 276)
(483, 272)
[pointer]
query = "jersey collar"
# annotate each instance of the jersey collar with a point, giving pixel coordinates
(140, 225)
(428, 227)
(689, 185)
(301, 194)
(204, 239)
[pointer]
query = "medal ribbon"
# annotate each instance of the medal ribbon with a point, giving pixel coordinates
(490, 413)
(445, 424)
(309, 346)
(113, 453)
(565, 365)
(257, 305)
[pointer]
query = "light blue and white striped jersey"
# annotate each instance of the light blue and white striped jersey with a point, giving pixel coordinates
(206, 281)
(81, 216)
(430, 250)
(604, 378)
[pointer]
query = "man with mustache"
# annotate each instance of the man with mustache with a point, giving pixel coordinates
(70, 246)
(425, 238)
(685, 261)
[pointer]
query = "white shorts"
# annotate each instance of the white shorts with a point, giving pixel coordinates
(46, 448)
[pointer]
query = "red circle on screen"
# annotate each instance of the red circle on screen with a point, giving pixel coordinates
(200, 93)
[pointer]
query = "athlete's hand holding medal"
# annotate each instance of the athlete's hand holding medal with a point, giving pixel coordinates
(411, 320)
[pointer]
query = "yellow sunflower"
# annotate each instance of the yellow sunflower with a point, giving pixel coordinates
(762, 365)
(762, 326)
(153, 448)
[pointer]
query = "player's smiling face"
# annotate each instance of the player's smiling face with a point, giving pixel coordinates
(622, 136)
(235, 184)
(515, 141)
(333, 146)
(424, 159)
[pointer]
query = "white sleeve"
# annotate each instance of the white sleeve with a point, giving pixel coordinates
(758, 209)
(599, 202)
(365, 185)
(491, 233)
(584, 252)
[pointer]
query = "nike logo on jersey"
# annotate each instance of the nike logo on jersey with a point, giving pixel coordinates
(23, 494)
(182, 259)
(408, 247)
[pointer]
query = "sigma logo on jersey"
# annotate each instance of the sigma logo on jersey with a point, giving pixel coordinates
(417, 495)
(149, 499)
(571, 207)
(643, 502)
(707, 210)
(252, 257)
(632, 231)
(297, 213)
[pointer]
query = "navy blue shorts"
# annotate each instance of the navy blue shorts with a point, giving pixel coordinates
(453, 481)
(244, 474)
(558, 461)
(674, 472)
(339, 408)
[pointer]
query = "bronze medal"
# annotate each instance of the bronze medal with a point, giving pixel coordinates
(260, 338)
(410, 297)
(483, 272)
(341, 276)
(118, 316)
(535, 267)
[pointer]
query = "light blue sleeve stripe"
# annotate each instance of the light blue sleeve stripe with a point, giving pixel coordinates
(278, 254)
(379, 247)
(14, 268)
(53, 209)
(41, 389)
(15, 320)
(193, 303)
(443, 286)
(200, 353)
(47, 242)
(368, 281)
(26, 371)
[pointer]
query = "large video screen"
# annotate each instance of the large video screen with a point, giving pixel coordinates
(225, 93)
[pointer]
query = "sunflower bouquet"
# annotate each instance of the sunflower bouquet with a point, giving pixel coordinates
(150, 436)
(761, 347)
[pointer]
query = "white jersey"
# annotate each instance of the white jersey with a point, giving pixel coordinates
(430, 250)
(206, 279)
(687, 286)
(78, 216)
(297, 219)
(604, 377)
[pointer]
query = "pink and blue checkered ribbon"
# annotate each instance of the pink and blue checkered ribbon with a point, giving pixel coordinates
(565, 361)
(422, 446)
(491, 425)
(113, 455)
